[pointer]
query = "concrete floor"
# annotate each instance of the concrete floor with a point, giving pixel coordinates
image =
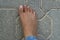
(48, 13)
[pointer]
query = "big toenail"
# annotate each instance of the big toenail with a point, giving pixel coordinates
(21, 6)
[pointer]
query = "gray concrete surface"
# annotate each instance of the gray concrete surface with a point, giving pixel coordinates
(8, 24)
(55, 14)
(50, 4)
(48, 13)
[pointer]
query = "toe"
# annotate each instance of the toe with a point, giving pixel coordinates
(25, 9)
(20, 8)
(34, 13)
(30, 10)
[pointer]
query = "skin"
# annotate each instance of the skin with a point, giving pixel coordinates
(29, 20)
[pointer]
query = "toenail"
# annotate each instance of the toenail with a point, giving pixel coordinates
(28, 7)
(34, 13)
(24, 5)
(21, 6)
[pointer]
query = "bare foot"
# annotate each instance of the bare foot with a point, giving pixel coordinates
(28, 19)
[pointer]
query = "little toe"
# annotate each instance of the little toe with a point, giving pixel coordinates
(34, 13)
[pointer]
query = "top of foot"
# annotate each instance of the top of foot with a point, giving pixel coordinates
(28, 19)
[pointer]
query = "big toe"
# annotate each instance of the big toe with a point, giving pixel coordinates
(20, 8)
